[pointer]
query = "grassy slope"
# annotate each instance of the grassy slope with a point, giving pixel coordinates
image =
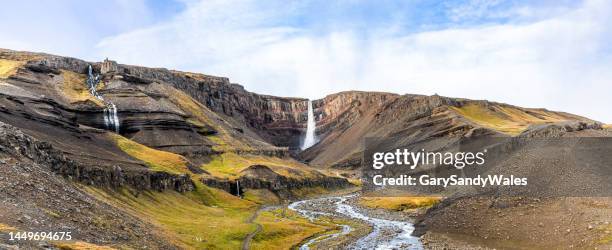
(261, 196)
(195, 220)
(75, 90)
(398, 203)
(157, 160)
(283, 228)
(506, 119)
(80, 245)
(229, 165)
(9, 67)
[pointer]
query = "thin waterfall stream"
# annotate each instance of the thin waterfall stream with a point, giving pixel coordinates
(111, 119)
(311, 126)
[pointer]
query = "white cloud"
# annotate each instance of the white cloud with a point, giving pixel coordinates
(67, 27)
(559, 62)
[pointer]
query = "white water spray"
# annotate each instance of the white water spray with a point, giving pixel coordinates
(111, 119)
(310, 138)
(238, 189)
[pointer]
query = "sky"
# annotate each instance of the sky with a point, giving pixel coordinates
(541, 54)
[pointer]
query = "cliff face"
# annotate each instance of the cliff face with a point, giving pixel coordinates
(340, 111)
(169, 125)
(262, 177)
(278, 120)
(17, 144)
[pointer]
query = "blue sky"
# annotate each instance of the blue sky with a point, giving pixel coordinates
(551, 54)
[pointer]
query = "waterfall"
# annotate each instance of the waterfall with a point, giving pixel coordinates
(238, 188)
(310, 138)
(113, 116)
(111, 119)
(92, 83)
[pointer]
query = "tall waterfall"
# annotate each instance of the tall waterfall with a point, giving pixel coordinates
(111, 119)
(310, 138)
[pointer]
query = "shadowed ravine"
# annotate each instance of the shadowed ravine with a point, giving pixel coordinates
(386, 234)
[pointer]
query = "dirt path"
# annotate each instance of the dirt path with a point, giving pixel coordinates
(247, 241)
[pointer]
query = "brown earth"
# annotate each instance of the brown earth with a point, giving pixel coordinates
(523, 223)
(521, 220)
(35, 199)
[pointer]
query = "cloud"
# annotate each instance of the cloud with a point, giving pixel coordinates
(559, 61)
(67, 27)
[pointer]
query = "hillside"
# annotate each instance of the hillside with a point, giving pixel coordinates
(175, 132)
(346, 118)
(173, 158)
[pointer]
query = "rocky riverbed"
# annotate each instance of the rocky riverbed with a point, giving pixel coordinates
(386, 233)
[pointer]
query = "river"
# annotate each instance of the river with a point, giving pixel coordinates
(386, 234)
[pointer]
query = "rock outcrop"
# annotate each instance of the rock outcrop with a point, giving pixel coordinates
(278, 120)
(14, 142)
(262, 177)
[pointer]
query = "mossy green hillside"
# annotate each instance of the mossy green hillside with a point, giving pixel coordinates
(157, 160)
(195, 220)
(230, 165)
(506, 119)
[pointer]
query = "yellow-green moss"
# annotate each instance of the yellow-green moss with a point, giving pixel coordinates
(52, 214)
(398, 203)
(80, 245)
(157, 160)
(9, 67)
(261, 196)
(355, 181)
(6, 228)
(308, 191)
(229, 165)
(185, 219)
(607, 237)
(74, 88)
(508, 120)
(283, 229)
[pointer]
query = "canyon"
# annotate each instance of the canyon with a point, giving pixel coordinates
(124, 141)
